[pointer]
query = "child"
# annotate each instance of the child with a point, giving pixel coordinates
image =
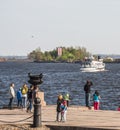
(96, 99)
(58, 109)
(19, 98)
(66, 98)
(64, 110)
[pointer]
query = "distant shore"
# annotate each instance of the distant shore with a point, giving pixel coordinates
(71, 62)
(52, 61)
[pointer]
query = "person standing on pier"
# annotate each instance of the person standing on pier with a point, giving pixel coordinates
(30, 98)
(12, 95)
(67, 98)
(96, 99)
(87, 89)
(64, 110)
(35, 93)
(19, 98)
(24, 91)
(58, 109)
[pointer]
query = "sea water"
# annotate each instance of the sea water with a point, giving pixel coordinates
(61, 78)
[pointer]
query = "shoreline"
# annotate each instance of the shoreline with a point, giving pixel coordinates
(31, 61)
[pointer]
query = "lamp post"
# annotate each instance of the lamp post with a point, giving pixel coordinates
(37, 113)
(36, 80)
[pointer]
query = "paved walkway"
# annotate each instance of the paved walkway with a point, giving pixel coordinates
(76, 116)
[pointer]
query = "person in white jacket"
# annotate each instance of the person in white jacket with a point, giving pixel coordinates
(12, 94)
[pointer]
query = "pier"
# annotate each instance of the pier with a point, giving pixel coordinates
(78, 118)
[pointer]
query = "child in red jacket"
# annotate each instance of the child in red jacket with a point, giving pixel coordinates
(64, 110)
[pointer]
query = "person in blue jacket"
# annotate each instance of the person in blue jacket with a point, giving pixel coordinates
(96, 99)
(19, 98)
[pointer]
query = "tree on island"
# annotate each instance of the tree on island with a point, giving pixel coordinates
(69, 54)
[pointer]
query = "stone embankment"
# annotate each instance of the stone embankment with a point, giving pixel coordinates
(78, 118)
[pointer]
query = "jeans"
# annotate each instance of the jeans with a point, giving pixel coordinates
(64, 113)
(59, 116)
(87, 99)
(10, 103)
(30, 104)
(19, 103)
(24, 102)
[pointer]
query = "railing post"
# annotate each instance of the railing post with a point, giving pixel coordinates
(37, 113)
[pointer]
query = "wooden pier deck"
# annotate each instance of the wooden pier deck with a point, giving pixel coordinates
(78, 118)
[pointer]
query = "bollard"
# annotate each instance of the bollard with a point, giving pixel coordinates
(37, 113)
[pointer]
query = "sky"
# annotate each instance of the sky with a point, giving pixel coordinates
(28, 24)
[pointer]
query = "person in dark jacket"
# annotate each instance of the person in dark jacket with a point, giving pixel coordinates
(30, 98)
(87, 89)
(58, 109)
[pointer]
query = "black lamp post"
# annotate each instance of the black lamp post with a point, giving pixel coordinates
(36, 80)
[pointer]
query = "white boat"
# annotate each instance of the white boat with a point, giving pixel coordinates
(92, 65)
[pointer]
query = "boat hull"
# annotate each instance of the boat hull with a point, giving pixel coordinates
(92, 69)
